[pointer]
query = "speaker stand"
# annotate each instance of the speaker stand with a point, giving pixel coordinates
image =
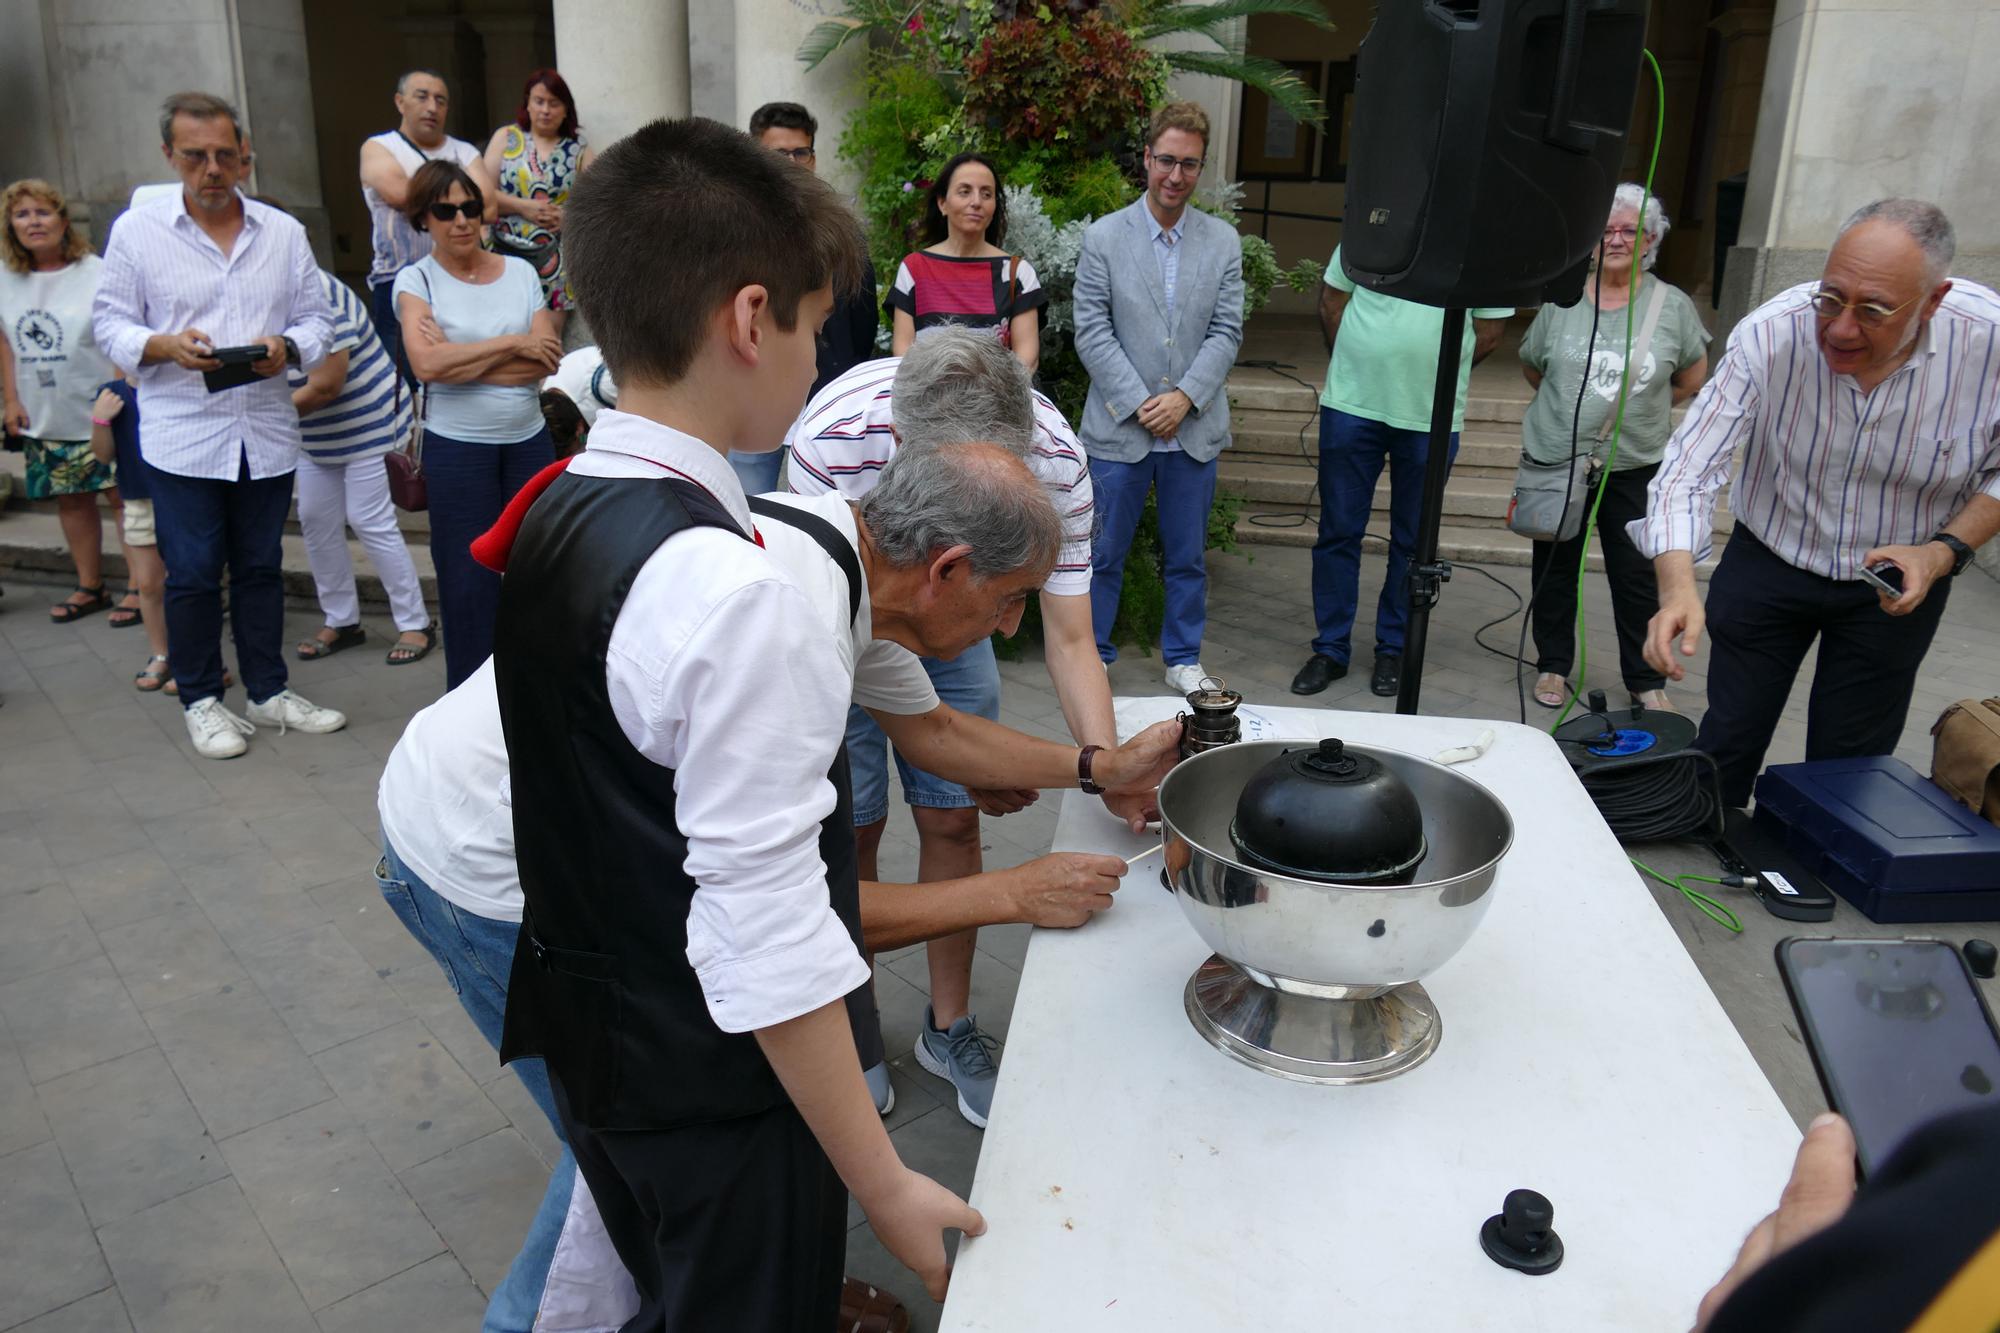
(1428, 574)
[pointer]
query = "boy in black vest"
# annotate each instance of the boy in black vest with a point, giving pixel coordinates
(685, 849)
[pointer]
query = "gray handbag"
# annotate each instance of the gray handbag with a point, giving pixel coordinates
(1551, 500)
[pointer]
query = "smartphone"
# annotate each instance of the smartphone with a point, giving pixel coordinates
(1886, 576)
(1898, 1031)
(240, 356)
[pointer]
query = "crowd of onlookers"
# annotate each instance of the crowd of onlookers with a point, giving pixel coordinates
(205, 373)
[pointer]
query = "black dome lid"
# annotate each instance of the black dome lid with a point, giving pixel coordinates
(1330, 813)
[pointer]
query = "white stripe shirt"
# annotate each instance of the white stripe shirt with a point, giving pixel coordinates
(163, 274)
(1831, 471)
(842, 441)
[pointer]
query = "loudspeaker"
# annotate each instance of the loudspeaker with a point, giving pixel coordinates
(1486, 146)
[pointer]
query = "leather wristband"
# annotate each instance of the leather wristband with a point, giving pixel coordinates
(1961, 554)
(1083, 779)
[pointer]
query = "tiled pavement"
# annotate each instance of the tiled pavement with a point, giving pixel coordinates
(235, 1095)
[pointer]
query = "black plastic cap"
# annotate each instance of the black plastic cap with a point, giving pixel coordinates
(1981, 956)
(1521, 1235)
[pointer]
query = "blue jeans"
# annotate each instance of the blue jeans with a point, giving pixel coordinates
(758, 472)
(1351, 453)
(1185, 492)
(203, 524)
(469, 485)
(389, 327)
(970, 683)
(477, 954)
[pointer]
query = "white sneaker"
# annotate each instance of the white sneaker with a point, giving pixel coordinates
(290, 711)
(1185, 679)
(216, 732)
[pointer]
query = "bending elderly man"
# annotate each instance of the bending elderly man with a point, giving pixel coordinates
(872, 572)
(952, 387)
(1866, 410)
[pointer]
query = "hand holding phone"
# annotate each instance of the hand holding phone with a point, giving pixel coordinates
(1886, 576)
(1898, 1031)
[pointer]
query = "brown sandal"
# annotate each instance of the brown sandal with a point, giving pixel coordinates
(865, 1308)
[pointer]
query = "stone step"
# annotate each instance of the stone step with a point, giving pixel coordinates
(1259, 390)
(1456, 542)
(416, 527)
(32, 546)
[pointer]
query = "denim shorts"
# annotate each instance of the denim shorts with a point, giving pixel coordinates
(970, 683)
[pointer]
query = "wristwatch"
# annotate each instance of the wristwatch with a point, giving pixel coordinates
(291, 352)
(1961, 553)
(1083, 758)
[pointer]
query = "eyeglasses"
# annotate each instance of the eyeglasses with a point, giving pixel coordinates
(468, 210)
(796, 154)
(1625, 234)
(1828, 306)
(226, 158)
(1170, 164)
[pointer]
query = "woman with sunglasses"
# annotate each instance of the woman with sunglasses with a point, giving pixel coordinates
(1564, 362)
(480, 338)
(964, 276)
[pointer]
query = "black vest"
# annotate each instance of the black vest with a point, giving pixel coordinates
(601, 987)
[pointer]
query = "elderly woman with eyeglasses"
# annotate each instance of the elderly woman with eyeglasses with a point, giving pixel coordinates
(1576, 360)
(481, 339)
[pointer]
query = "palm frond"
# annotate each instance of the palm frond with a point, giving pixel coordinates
(1161, 20)
(829, 37)
(1267, 76)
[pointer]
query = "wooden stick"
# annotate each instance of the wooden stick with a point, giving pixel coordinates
(1131, 861)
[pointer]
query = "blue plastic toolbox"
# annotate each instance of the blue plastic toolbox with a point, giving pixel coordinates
(1884, 837)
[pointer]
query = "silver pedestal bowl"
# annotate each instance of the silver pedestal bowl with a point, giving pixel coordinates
(1313, 980)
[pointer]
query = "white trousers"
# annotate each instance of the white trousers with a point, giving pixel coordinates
(334, 497)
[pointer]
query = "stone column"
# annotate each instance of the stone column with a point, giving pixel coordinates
(626, 61)
(1862, 103)
(768, 33)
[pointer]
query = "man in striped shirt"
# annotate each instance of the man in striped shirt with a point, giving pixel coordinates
(1867, 406)
(958, 386)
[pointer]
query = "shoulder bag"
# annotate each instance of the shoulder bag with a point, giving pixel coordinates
(1007, 311)
(407, 488)
(1965, 755)
(1551, 500)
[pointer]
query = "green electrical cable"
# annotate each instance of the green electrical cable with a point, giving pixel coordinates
(1618, 421)
(1706, 905)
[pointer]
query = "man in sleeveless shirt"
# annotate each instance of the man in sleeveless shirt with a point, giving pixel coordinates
(388, 160)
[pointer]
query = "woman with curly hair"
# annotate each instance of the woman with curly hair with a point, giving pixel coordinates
(50, 370)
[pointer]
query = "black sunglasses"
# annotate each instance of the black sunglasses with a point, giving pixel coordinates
(446, 212)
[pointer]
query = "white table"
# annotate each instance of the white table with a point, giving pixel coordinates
(1135, 1178)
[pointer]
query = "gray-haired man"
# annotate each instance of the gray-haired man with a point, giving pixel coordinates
(956, 387)
(1865, 408)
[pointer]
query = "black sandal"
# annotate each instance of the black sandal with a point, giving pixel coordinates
(125, 617)
(65, 611)
(415, 654)
(344, 637)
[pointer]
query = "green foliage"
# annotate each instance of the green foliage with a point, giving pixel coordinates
(1260, 271)
(1305, 276)
(1086, 83)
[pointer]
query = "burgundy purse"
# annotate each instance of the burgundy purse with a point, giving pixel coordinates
(407, 488)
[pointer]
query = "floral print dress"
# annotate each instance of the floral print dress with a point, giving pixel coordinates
(526, 174)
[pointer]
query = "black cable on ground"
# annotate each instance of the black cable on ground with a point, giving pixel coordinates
(1656, 798)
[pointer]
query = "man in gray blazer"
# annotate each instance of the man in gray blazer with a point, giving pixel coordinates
(1159, 316)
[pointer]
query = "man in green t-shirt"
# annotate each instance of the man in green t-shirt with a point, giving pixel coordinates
(1376, 407)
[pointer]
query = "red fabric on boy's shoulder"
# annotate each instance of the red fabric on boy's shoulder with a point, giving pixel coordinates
(492, 547)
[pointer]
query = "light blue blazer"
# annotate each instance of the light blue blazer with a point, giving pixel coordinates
(1128, 346)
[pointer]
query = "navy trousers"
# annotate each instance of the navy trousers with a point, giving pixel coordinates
(1763, 614)
(204, 524)
(1352, 451)
(469, 485)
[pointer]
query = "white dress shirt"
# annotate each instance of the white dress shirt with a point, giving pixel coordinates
(164, 274)
(843, 440)
(1830, 470)
(720, 668)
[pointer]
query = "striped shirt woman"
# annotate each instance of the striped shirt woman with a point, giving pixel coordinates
(353, 408)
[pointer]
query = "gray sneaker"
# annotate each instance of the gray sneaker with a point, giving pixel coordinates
(965, 1056)
(880, 1089)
